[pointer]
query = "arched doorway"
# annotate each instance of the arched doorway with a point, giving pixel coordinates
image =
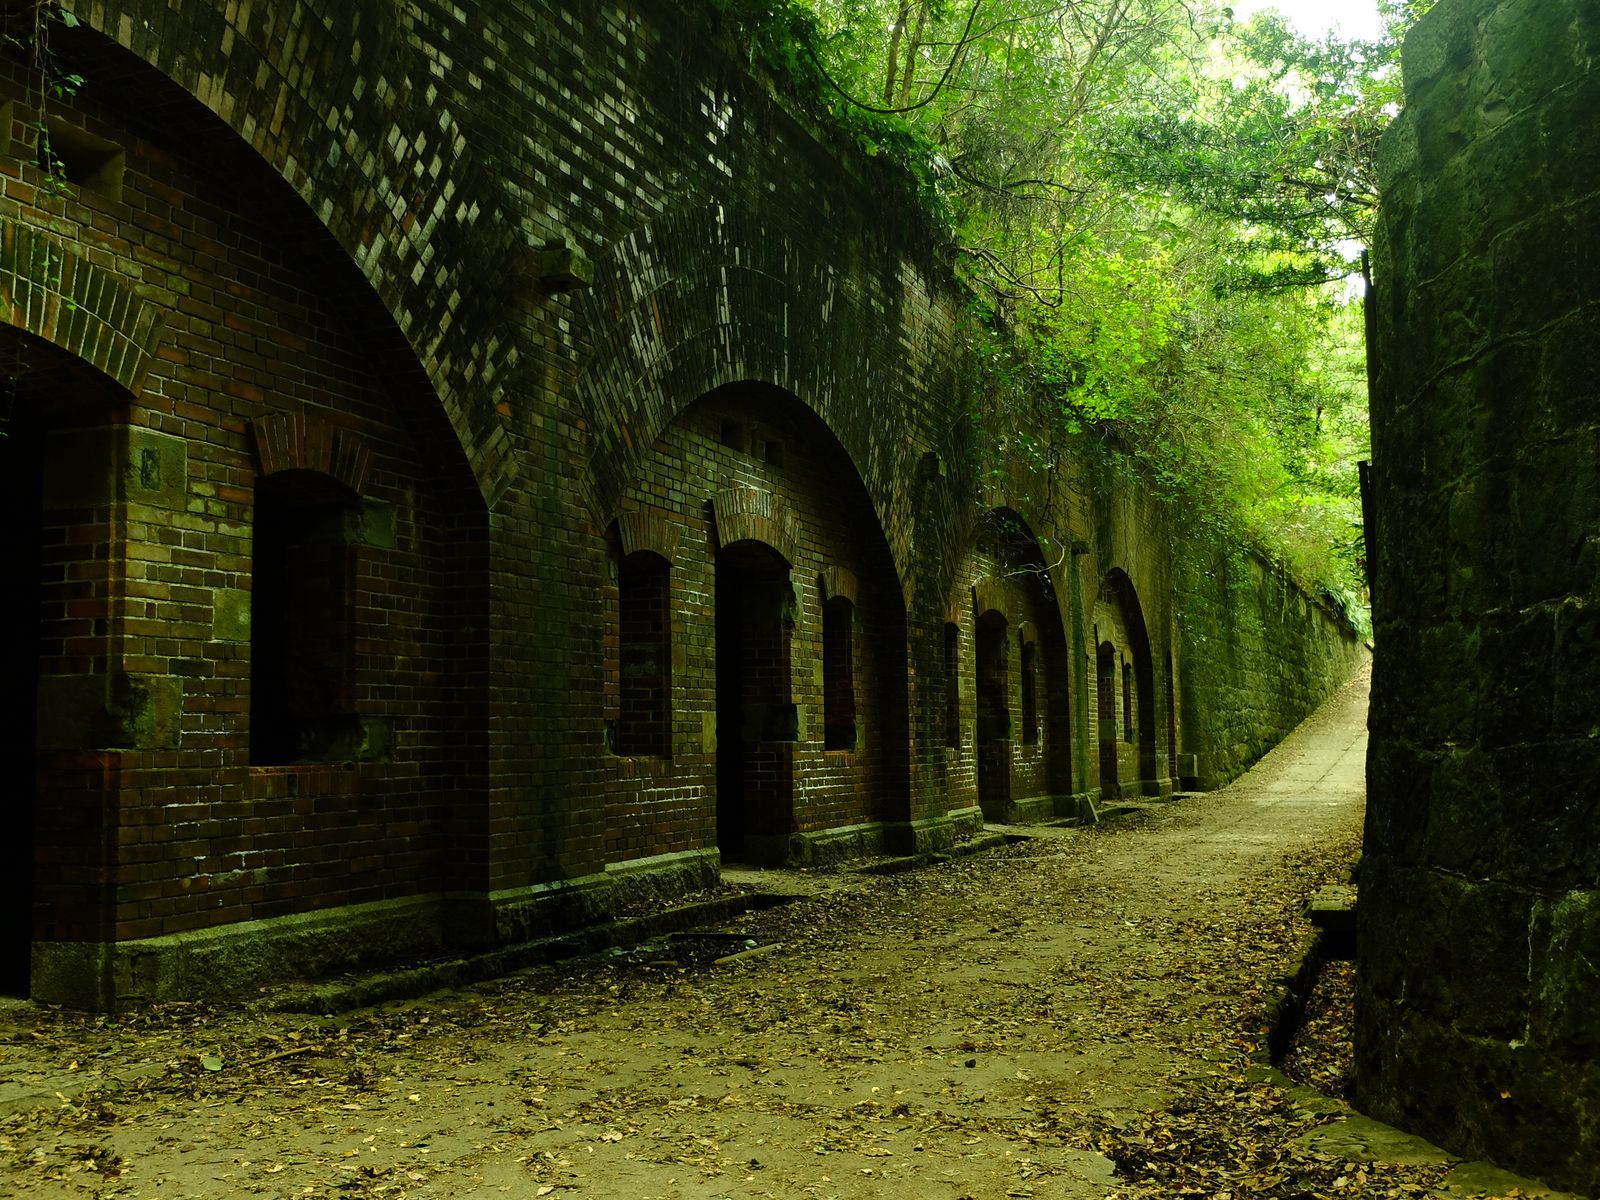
(993, 695)
(21, 481)
(1106, 701)
(1024, 744)
(1119, 622)
(757, 723)
(64, 455)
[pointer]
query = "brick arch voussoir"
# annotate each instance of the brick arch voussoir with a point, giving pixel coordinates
(839, 583)
(701, 298)
(747, 514)
(298, 442)
(993, 593)
(50, 289)
(316, 89)
(650, 533)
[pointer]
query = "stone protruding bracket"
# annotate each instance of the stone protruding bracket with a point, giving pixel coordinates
(1333, 911)
(562, 267)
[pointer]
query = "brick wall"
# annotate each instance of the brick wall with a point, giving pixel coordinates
(149, 498)
(1006, 591)
(1255, 655)
(525, 301)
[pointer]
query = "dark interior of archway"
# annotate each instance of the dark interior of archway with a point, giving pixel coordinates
(302, 650)
(41, 389)
(994, 717)
(754, 708)
(21, 479)
(1106, 695)
(994, 700)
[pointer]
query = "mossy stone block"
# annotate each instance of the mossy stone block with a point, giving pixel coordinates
(230, 615)
(109, 712)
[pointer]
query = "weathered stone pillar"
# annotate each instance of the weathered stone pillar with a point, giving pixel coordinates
(1478, 1020)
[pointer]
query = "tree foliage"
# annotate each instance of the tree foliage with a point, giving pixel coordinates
(1149, 200)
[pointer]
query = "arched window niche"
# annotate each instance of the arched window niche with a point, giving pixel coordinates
(838, 674)
(644, 590)
(302, 622)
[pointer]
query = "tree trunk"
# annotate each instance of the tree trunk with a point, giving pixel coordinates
(909, 75)
(895, 36)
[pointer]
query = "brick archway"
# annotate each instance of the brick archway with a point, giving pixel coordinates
(50, 289)
(1118, 608)
(704, 298)
(286, 90)
(70, 468)
(1015, 583)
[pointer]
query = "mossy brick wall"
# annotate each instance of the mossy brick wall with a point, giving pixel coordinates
(757, 440)
(1480, 917)
(1006, 573)
(337, 235)
(148, 503)
(1256, 656)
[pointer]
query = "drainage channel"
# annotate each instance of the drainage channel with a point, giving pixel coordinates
(1332, 913)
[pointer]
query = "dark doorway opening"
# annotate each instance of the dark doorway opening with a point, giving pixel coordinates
(1027, 658)
(994, 717)
(645, 652)
(302, 647)
(1106, 675)
(838, 675)
(757, 723)
(21, 542)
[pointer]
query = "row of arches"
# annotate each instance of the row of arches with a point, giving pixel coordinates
(340, 668)
(794, 712)
(762, 644)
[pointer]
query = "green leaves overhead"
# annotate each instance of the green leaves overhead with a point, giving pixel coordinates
(1282, 141)
(1154, 202)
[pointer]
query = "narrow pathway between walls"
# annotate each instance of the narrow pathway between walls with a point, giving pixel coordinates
(1070, 1016)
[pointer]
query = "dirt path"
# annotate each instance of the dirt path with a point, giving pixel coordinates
(1016, 1024)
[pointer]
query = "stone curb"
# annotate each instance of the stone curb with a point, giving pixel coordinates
(329, 998)
(991, 839)
(1353, 1135)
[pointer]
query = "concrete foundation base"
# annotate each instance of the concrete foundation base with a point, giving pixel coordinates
(238, 957)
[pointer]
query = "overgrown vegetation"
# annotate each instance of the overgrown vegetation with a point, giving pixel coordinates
(1160, 211)
(26, 30)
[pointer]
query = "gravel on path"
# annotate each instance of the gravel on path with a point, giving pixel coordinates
(1069, 1016)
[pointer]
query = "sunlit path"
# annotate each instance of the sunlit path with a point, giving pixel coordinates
(993, 1026)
